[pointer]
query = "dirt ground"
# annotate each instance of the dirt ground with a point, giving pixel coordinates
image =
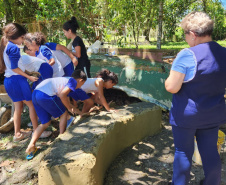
(147, 162)
(151, 162)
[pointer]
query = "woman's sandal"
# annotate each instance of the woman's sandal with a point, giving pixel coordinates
(32, 154)
(23, 135)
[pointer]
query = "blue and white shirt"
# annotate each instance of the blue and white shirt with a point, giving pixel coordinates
(31, 63)
(12, 59)
(63, 58)
(200, 102)
(45, 53)
(53, 86)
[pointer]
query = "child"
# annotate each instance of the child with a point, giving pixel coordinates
(70, 28)
(34, 64)
(50, 99)
(29, 52)
(104, 79)
(65, 57)
(15, 82)
(35, 42)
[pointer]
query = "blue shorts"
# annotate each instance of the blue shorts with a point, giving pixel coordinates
(47, 106)
(46, 71)
(18, 88)
(69, 69)
(78, 94)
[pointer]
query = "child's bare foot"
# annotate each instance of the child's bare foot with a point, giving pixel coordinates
(30, 148)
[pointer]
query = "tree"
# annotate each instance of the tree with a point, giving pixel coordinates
(8, 11)
(160, 25)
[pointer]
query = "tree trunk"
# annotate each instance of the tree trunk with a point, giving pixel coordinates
(160, 25)
(204, 5)
(8, 11)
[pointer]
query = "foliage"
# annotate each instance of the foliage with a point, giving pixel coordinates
(103, 18)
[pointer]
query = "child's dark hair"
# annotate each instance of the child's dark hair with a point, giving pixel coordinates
(25, 49)
(71, 25)
(107, 75)
(78, 73)
(38, 37)
(11, 31)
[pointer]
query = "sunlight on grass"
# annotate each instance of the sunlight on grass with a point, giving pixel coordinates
(170, 45)
(6, 139)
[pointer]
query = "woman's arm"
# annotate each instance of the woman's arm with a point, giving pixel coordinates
(68, 52)
(20, 72)
(174, 82)
(78, 51)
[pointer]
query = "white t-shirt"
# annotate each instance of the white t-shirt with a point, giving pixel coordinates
(63, 58)
(31, 63)
(53, 86)
(89, 85)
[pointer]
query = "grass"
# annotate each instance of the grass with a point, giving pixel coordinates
(153, 45)
(169, 45)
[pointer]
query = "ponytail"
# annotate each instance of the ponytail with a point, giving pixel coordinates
(3, 43)
(107, 75)
(71, 25)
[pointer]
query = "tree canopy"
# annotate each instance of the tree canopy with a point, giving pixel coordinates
(102, 17)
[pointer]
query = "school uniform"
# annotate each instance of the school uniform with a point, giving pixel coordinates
(45, 53)
(34, 64)
(63, 58)
(198, 109)
(46, 101)
(16, 85)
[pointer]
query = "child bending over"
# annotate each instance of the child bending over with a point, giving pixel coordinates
(50, 98)
(94, 87)
(35, 42)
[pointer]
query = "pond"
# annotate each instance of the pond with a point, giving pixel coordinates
(139, 78)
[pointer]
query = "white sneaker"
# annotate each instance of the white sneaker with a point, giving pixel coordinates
(44, 134)
(29, 124)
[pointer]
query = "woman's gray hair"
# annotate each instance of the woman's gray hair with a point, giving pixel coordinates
(198, 22)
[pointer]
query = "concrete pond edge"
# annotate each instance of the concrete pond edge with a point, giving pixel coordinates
(85, 151)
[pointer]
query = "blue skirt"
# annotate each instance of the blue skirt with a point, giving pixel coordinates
(18, 88)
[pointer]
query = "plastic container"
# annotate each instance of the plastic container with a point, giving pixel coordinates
(196, 156)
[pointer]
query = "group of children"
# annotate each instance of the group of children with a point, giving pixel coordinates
(63, 75)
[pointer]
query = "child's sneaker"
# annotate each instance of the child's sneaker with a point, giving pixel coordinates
(70, 121)
(44, 134)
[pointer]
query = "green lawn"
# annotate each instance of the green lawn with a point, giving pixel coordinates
(169, 45)
(166, 45)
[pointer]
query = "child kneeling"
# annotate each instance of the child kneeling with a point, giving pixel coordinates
(50, 98)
